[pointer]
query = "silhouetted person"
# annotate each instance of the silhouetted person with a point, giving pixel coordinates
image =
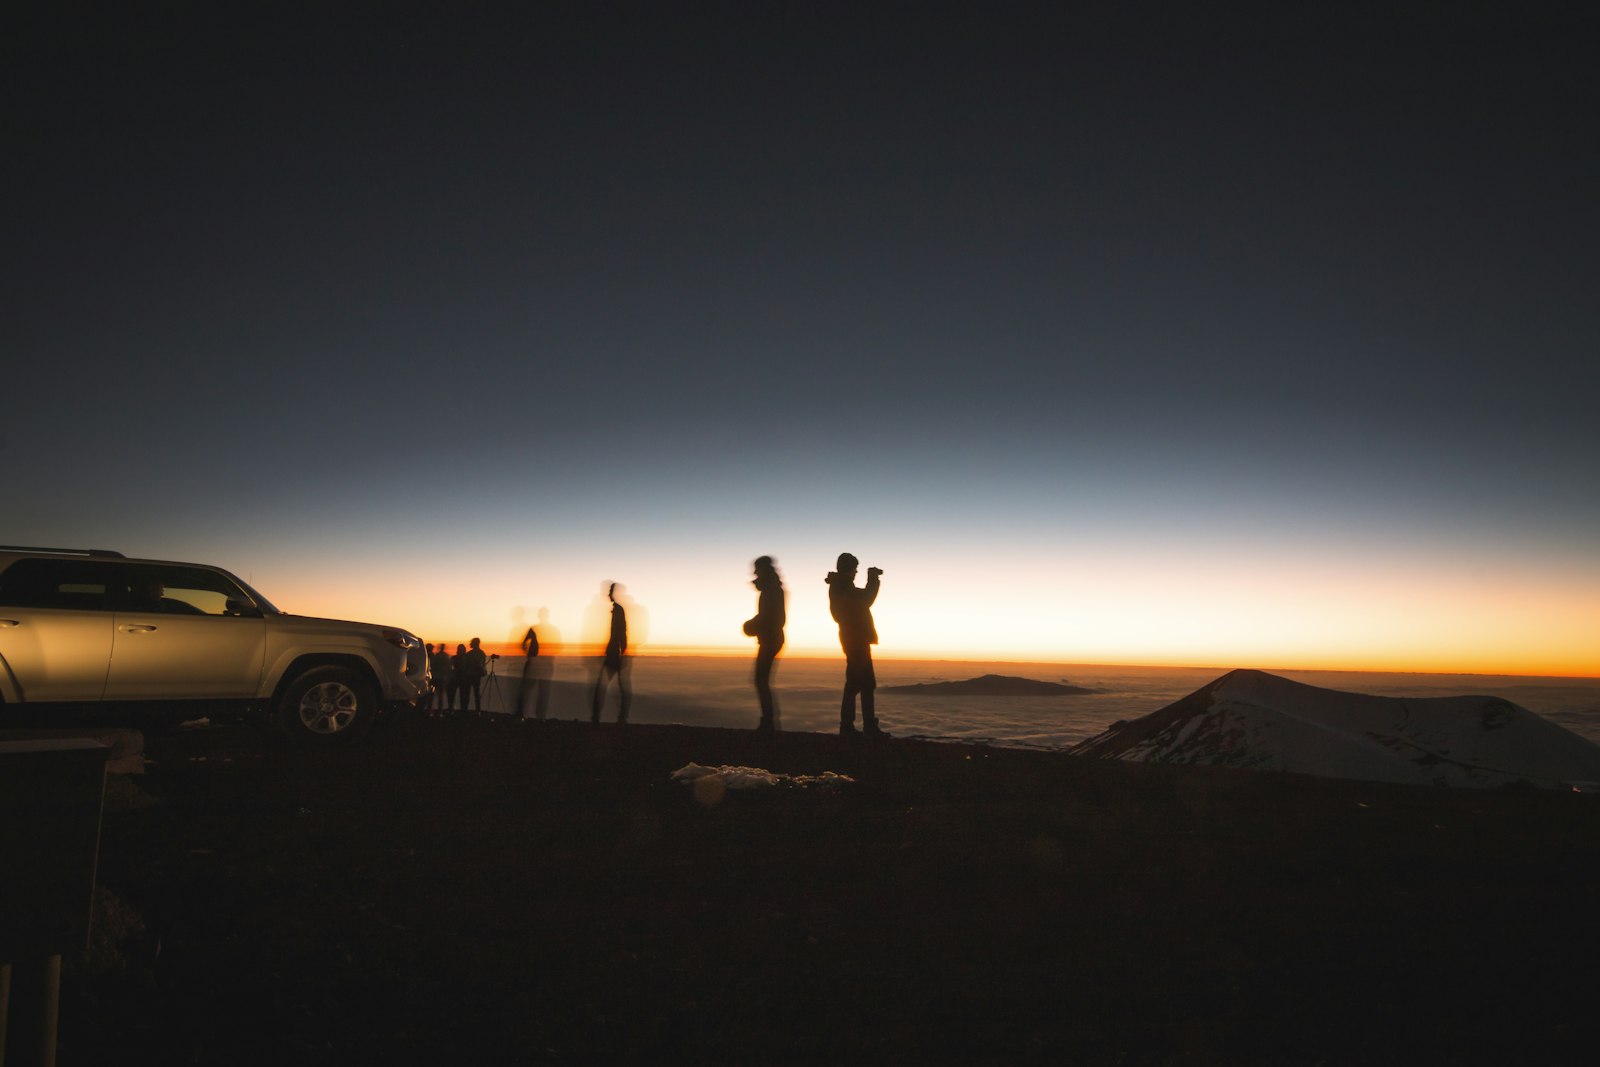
(852, 610)
(530, 659)
(458, 673)
(539, 644)
(614, 663)
(477, 665)
(544, 666)
(444, 678)
(767, 628)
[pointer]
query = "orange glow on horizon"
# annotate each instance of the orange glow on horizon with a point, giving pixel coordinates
(1392, 665)
(1222, 608)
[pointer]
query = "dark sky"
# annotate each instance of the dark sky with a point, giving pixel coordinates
(802, 274)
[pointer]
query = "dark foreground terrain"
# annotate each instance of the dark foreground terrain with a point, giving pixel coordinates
(487, 892)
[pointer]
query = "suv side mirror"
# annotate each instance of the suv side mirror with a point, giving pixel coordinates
(242, 608)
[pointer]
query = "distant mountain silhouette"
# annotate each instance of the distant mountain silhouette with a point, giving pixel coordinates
(990, 685)
(1253, 719)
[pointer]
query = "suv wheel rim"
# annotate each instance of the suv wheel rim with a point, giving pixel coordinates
(328, 707)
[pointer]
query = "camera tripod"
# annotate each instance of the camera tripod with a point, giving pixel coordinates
(491, 684)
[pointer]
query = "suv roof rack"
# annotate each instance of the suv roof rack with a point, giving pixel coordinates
(64, 551)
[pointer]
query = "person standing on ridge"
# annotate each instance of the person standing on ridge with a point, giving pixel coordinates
(444, 682)
(852, 610)
(533, 695)
(614, 664)
(477, 665)
(458, 674)
(767, 628)
(530, 673)
(549, 639)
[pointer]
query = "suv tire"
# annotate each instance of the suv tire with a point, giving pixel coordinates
(327, 704)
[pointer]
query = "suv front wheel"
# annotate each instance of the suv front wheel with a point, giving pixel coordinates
(327, 703)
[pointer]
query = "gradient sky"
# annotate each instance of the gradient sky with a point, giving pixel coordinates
(1230, 335)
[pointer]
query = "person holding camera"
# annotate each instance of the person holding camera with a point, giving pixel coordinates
(767, 628)
(852, 610)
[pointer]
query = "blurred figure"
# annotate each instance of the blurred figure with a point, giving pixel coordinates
(443, 679)
(539, 645)
(852, 610)
(530, 672)
(614, 663)
(767, 628)
(471, 676)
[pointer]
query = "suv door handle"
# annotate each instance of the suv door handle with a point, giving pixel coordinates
(6, 624)
(135, 628)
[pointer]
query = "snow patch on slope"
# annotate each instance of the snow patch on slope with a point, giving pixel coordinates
(1258, 720)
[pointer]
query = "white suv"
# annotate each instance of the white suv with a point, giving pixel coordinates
(94, 627)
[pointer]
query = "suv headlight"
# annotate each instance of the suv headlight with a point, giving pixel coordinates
(402, 640)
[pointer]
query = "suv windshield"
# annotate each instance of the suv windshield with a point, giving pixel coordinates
(266, 606)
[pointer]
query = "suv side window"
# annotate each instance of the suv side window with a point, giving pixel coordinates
(182, 591)
(74, 584)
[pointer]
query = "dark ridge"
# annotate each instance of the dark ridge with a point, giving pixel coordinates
(476, 890)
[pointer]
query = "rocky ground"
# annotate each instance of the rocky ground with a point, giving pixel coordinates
(492, 892)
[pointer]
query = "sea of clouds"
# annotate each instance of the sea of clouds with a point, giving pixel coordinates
(718, 691)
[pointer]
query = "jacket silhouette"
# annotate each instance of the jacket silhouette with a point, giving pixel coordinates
(852, 608)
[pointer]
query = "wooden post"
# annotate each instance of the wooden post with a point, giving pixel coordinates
(5, 1007)
(51, 791)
